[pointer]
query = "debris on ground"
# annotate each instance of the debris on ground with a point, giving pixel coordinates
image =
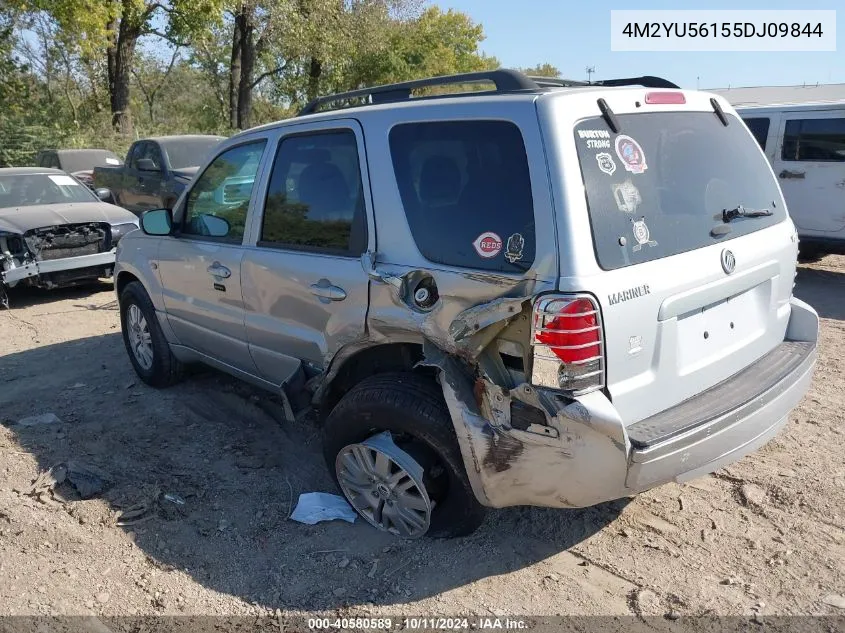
(143, 510)
(87, 479)
(44, 485)
(314, 507)
(38, 420)
(834, 600)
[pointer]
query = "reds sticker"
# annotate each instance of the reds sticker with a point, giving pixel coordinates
(488, 244)
(631, 154)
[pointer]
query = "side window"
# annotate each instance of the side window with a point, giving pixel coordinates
(212, 208)
(315, 198)
(814, 140)
(466, 191)
(154, 154)
(137, 152)
(759, 128)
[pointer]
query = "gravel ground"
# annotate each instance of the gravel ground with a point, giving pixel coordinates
(765, 536)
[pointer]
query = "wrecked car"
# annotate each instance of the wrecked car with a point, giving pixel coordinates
(54, 231)
(543, 293)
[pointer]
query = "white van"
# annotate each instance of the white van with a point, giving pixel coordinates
(805, 143)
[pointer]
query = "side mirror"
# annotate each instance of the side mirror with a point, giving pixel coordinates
(157, 222)
(146, 164)
(212, 225)
(105, 194)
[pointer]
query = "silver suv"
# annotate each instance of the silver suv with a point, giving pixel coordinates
(543, 293)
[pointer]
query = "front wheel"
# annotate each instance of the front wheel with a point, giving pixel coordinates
(148, 350)
(391, 447)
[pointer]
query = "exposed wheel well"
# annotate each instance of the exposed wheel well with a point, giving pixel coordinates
(123, 280)
(392, 357)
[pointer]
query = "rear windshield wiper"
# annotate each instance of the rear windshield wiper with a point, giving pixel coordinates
(742, 212)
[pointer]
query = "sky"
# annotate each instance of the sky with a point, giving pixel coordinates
(574, 34)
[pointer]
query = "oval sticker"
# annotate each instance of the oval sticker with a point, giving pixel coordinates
(488, 244)
(631, 154)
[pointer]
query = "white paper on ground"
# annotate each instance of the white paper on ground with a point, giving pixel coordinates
(63, 180)
(314, 507)
(112, 161)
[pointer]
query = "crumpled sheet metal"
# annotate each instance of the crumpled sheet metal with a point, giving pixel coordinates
(584, 465)
(465, 335)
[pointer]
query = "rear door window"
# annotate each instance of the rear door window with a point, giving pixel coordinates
(315, 198)
(814, 140)
(466, 192)
(659, 186)
(759, 127)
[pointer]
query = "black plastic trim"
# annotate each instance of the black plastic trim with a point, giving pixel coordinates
(758, 383)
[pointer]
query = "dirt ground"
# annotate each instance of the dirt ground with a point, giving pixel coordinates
(765, 536)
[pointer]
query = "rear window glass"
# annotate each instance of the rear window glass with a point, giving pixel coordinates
(759, 128)
(814, 140)
(659, 186)
(466, 192)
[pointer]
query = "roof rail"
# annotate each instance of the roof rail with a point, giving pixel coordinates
(504, 79)
(646, 81)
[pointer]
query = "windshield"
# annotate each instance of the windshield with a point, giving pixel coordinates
(660, 186)
(26, 190)
(189, 152)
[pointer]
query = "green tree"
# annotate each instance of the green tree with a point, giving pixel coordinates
(115, 26)
(542, 70)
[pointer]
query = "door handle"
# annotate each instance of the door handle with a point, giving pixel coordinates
(791, 174)
(327, 292)
(219, 270)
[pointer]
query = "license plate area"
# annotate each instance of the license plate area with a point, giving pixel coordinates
(712, 332)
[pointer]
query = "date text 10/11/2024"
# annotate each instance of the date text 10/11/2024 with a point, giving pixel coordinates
(418, 624)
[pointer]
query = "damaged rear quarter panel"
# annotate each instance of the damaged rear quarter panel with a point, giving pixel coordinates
(583, 462)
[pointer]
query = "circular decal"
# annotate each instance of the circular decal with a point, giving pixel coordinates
(488, 244)
(641, 233)
(631, 154)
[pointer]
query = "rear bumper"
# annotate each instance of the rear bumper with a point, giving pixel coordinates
(724, 423)
(589, 456)
(14, 275)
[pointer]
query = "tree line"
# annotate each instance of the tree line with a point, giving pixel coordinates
(99, 73)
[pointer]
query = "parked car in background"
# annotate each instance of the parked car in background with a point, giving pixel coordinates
(80, 163)
(544, 294)
(805, 144)
(155, 172)
(54, 231)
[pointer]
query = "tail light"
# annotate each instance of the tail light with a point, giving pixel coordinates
(568, 344)
(675, 98)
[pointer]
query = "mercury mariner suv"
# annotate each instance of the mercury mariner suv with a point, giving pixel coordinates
(538, 293)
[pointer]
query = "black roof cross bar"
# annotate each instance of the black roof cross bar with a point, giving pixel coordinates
(504, 79)
(646, 81)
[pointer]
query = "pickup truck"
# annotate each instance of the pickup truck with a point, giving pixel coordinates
(155, 172)
(79, 163)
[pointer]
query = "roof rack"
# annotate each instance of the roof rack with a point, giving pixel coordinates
(505, 80)
(646, 81)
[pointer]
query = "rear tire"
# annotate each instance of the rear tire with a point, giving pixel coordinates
(149, 352)
(412, 409)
